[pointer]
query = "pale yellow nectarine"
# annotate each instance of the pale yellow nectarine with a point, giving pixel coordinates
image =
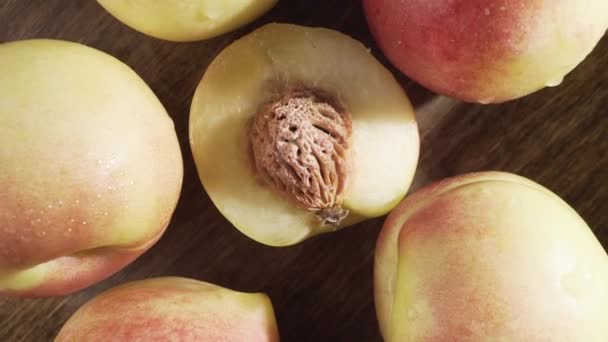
(186, 20)
(90, 167)
(298, 131)
(490, 257)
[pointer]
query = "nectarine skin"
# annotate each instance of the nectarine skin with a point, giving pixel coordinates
(489, 257)
(90, 167)
(487, 51)
(173, 309)
(185, 21)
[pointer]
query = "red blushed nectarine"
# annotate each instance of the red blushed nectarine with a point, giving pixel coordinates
(173, 309)
(90, 167)
(489, 257)
(487, 50)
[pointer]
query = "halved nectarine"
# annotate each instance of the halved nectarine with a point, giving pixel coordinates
(298, 131)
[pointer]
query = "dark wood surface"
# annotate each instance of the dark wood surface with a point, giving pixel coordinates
(322, 289)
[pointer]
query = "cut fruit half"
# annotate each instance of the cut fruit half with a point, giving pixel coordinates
(344, 141)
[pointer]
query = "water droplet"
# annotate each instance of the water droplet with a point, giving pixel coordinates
(50, 206)
(99, 161)
(60, 203)
(77, 202)
(98, 195)
(105, 213)
(486, 100)
(84, 223)
(72, 220)
(487, 11)
(131, 182)
(41, 233)
(555, 82)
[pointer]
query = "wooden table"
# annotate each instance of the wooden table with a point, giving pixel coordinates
(322, 289)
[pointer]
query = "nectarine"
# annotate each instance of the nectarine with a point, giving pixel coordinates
(490, 257)
(90, 167)
(182, 21)
(487, 50)
(298, 131)
(173, 309)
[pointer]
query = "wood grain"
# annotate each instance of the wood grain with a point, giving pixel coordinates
(322, 289)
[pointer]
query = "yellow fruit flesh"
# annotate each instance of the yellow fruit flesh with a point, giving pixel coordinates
(186, 20)
(245, 75)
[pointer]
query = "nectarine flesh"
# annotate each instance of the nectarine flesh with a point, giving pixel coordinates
(297, 131)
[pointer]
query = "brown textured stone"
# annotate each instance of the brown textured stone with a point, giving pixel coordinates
(300, 144)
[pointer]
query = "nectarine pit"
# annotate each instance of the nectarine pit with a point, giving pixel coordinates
(300, 143)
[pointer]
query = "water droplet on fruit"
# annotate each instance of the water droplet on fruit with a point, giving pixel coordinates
(555, 82)
(487, 11)
(50, 206)
(486, 101)
(84, 223)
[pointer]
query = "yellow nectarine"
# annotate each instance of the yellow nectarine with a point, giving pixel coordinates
(490, 257)
(90, 167)
(298, 131)
(186, 20)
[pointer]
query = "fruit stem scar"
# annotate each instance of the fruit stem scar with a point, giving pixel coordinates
(300, 144)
